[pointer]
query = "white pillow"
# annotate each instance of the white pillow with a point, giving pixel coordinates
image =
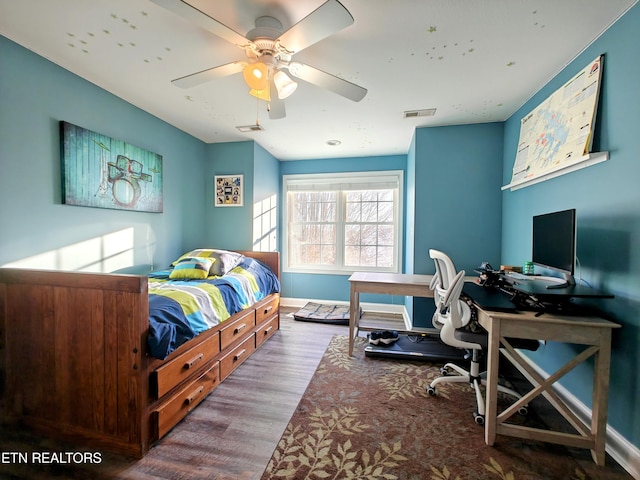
(224, 260)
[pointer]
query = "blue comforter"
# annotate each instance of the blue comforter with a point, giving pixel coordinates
(181, 309)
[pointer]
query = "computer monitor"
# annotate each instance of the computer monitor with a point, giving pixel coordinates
(554, 244)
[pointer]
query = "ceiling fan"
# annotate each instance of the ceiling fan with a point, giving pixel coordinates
(269, 51)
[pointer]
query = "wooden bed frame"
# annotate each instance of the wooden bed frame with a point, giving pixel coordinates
(74, 364)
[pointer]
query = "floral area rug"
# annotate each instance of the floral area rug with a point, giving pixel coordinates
(371, 418)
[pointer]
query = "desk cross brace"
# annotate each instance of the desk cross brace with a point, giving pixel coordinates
(585, 439)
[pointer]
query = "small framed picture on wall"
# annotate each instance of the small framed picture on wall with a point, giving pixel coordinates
(228, 190)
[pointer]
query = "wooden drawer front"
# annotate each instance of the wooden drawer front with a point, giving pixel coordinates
(266, 310)
(266, 330)
(236, 356)
(237, 328)
(179, 369)
(174, 409)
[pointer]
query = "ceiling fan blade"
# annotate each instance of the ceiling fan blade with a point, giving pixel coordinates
(327, 19)
(189, 12)
(204, 76)
(326, 80)
(276, 105)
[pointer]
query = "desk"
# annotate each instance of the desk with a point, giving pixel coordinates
(591, 332)
(410, 285)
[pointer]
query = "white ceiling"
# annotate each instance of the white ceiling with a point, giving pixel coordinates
(474, 61)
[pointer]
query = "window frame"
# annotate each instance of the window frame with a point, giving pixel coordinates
(366, 178)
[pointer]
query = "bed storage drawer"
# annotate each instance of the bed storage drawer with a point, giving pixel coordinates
(235, 357)
(267, 310)
(237, 328)
(169, 413)
(265, 331)
(180, 368)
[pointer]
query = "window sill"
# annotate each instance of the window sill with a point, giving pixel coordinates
(312, 271)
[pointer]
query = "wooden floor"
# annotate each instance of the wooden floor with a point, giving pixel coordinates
(244, 418)
(231, 435)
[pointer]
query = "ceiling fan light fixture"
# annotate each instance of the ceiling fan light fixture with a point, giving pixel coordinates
(256, 75)
(284, 85)
(261, 94)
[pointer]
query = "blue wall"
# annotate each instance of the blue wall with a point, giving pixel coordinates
(266, 170)
(410, 215)
(230, 227)
(457, 177)
(459, 167)
(607, 199)
(35, 95)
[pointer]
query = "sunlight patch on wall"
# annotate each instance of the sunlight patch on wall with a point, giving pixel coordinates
(265, 223)
(107, 253)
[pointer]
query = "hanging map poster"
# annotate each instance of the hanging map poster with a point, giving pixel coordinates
(559, 132)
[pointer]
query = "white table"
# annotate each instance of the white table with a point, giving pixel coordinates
(402, 284)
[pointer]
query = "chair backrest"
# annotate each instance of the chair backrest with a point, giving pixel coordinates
(445, 272)
(451, 312)
(452, 306)
(445, 269)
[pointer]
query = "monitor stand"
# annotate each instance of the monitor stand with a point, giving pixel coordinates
(568, 281)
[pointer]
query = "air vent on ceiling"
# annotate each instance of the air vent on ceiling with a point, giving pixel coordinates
(425, 112)
(250, 128)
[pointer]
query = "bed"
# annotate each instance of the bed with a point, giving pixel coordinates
(92, 359)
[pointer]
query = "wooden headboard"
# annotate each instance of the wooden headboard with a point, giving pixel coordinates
(270, 259)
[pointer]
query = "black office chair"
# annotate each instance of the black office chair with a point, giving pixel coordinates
(452, 316)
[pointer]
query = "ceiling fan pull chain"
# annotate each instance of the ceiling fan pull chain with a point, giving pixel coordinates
(258, 112)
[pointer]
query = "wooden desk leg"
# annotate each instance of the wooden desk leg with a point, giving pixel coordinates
(491, 400)
(600, 397)
(354, 309)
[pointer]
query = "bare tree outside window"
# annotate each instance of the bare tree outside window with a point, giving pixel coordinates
(312, 228)
(369, 228)
(344, 228)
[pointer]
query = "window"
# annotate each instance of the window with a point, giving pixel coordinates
(343, 222)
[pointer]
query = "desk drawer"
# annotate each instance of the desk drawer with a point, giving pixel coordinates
(267, 310)
(237, 329)
(169, 413)
(180, 368)
(267, 330)
(235, 357)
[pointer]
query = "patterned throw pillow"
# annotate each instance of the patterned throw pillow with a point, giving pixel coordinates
(224, 260)
(192, 268)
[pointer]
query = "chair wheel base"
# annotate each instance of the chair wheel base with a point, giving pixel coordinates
(479, 419)
(431, 391)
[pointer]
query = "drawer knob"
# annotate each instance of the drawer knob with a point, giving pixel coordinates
(194, 395)
(268, 309)
(237, 356)
(267, 330)
(189, 364)
(239, 328)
